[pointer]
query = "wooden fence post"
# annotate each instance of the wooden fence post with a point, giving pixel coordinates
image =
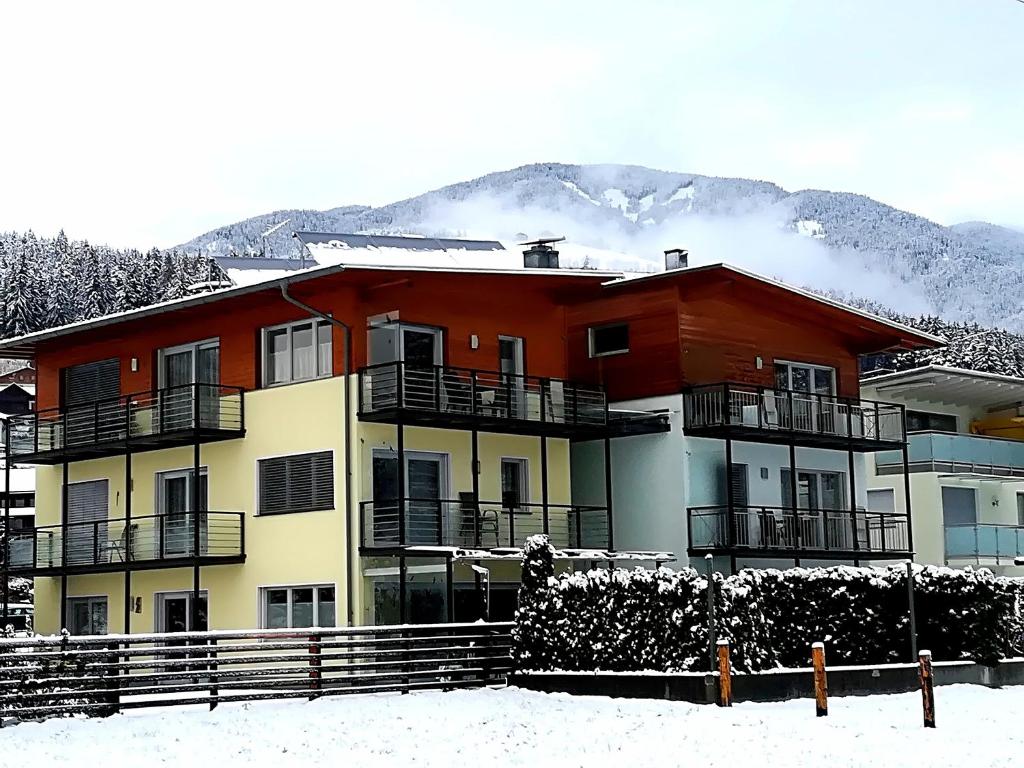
(820, 682)
(927, 688)
(314, 665)
(724, 675)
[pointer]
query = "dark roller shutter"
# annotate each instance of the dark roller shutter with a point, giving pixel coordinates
(90, 382)
(300, 483)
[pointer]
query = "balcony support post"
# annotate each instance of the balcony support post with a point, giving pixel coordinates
(7, 520)
(730, 514)
(127, 551)
(906, 492)
(449, 563)
(63, 611)
(400, 447)
(544, 482)
(793, 500)
(196, 503)
(475, 461)
(403, 605)
(608, 495)
(853, 501)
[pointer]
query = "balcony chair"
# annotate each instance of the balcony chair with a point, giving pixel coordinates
(487, 522)
(119, 548)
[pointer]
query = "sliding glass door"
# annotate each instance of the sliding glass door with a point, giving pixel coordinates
(180, 368)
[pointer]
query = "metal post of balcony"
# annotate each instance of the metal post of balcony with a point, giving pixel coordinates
(127, 551)
(437, 389)
(906, 482)
(399, 385)
(853, 481)
(544, 482)
(400, 445)
(726, 404)
(730, 517)
(196, 503)
(475, 461)
(64, 541)
(449, 569)
(7, 518)
(794, 501)
(403, 601)
(608, 495)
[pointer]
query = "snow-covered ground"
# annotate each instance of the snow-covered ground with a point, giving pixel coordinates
(976, 726)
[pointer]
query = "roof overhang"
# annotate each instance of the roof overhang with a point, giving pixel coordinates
(950, 386)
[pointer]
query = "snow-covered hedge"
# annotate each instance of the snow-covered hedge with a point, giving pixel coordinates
(622, 620)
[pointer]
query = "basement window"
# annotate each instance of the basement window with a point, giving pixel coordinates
(606, 340)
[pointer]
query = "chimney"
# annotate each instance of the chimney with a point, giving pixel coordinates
(676, 258)
(540, 255)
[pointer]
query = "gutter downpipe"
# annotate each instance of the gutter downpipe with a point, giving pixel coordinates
(347, 335)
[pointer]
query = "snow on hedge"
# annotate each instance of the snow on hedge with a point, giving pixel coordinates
(628, 620)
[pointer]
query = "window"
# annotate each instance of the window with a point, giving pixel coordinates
(959, 506)
(285, 607)
(297, 352)
(1020, 508)
(882, 500)
(804, 377)
(300, 483)
(89, 382)
(608, 340)
(515, 484)
(87, 615)
(922, 421)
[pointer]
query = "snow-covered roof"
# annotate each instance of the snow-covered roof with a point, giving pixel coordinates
(242, 271)
(953, 386)
(23, 479)
(29, 389)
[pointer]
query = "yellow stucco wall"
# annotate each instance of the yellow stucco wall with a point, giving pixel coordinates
(293, 549)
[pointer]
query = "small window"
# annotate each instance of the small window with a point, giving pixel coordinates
(297, 352)
(609, 340)
(87, 615)
(288, 607)
(922, 421)
(881, 500)
(300, 483)
(1020, 508)
(515, 484)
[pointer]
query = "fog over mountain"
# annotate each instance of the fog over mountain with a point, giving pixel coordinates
(844, 243)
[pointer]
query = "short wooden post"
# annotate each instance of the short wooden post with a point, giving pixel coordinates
(927, 688)
(724, 675)
(820, 682)
(315, 682)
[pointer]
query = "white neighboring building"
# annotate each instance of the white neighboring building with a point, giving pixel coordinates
(966, 462)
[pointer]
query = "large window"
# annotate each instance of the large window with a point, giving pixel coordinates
(608, 340)
(297, 352)
(311, 606)
(302, 482)
(922, 421)
(87, 615)
(805, 377)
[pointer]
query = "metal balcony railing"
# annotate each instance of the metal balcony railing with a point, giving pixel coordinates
(114, 544)
(783, 530)
(487, 525)
(984, 542)
(762, 409)
(490, 395)
(142, 418)
(952, 452)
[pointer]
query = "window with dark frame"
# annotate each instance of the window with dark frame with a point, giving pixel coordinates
(301, 606)
(924, 421)
(606, 340)
(298, 483)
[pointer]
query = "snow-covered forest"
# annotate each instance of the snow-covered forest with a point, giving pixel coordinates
(48, 282)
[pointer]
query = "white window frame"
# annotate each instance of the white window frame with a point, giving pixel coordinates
(193, 347)
(264, 591)
(590, 340)
(290, 327)
(790, 364)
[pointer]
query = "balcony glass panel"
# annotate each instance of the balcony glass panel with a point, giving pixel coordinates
(968, 452)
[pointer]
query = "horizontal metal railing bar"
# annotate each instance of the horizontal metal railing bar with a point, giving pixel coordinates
(442, 630)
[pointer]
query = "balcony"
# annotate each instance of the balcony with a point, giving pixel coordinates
(142, 421)
(759, 414)
(783, 532)
(487, 525)
(954, 453)
(114, 544)
(463, 398)
(984, 544)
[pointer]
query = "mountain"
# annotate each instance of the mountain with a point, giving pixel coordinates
(837, 241)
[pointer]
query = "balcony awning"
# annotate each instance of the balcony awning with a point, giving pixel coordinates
(951, 386)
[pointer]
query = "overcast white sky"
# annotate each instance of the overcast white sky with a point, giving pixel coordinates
(141, 123)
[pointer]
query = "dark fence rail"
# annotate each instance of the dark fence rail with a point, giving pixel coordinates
(117, 542)
(487, 524)
(786, 530)
(139, 417)
(101, 675)
(481, 394)
(755, 408)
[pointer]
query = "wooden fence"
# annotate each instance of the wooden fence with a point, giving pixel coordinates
(104, 674)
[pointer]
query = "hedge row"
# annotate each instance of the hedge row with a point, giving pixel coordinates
(630, 620)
